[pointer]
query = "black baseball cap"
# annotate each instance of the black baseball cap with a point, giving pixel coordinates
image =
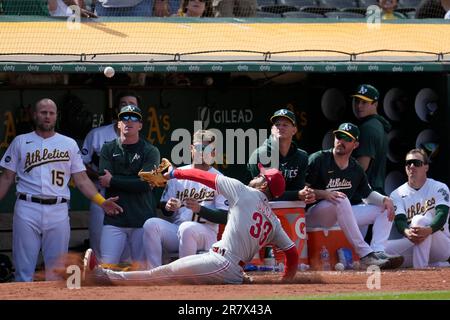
(131, 110)
(285, 113)
(348, 129)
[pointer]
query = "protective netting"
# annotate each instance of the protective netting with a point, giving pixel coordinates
(268, 31)
(388, 9)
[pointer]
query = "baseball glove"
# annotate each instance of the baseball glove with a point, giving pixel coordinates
(155, 177)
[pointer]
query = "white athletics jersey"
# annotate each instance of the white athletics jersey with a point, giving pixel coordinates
(182, 189)
(251, 221)
(94, 141)
(412, 202)
(43, 166)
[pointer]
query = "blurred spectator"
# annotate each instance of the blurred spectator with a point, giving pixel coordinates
(388, 10)
(60, 8)
(121, 8)
(161, 8)
(196, 8)
(235, 8)
(432, 9)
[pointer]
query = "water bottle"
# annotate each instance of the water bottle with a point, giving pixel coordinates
(325, 259)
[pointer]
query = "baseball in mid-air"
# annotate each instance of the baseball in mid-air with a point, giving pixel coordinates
(109, 72)
(339, 266)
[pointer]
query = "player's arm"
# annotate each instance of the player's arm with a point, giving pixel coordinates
(204, 177)
(6, 180)
(85, 185)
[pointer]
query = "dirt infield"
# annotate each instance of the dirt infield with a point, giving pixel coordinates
(264, 287)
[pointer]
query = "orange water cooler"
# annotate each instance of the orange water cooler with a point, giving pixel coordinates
(292, 218)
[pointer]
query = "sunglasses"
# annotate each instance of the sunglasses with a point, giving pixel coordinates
(206, 148)
(130, 118)
(414, 162)
(342, 136)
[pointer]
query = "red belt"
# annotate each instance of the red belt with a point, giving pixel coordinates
(222, 253)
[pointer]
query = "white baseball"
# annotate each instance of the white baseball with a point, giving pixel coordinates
(109, 72)
(339, 267)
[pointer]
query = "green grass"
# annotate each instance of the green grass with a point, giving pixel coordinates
(413, 295)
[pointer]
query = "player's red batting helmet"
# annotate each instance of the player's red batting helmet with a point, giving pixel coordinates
(275, 180)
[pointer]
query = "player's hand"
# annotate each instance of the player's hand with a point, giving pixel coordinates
(388, 205)
(412, 236)
(332, 196)
(307, 195)
(169, 171)
(105, 179)
(87, 14)
(173, 204)
(422, 232)
(111, 207)
(192, 204)
(275, 132)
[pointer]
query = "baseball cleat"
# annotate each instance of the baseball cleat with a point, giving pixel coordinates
(373, 260)
(89, 263)
(394, 261)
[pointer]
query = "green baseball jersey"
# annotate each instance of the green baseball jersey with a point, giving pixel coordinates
(324, 174)
(124, 161)
(293, 166)
(373, 143)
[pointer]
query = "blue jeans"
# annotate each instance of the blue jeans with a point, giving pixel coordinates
(143, 9)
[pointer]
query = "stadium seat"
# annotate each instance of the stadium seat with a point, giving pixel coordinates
(263, 14)
(408, 3)
(278, 8)
(261, 3)
(338, 3)
(365, 3)
(411, 14)
(343, 15)
(319, 10)
(301, 15)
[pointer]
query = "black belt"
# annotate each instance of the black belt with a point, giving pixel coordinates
(222, 252)
(41, 201)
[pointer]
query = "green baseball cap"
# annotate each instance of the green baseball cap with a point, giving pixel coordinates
(131, 109)
(348, 129)
(285, 113)
(367, 92)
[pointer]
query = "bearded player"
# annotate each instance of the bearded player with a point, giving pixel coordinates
(44, 161)
(251, 225)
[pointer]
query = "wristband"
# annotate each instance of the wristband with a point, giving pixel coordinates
(98, 199)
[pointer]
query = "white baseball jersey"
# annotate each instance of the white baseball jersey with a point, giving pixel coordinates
(251, 222)
(182, 189)
(43, 166)
(94, 142)
(423, 202)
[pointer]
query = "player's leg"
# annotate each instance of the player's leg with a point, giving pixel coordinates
(96, 217)
(440, 247)
(421, 251)
(26, 239)
(135, 243)
(159, 235)
(366, 214)
(402, 247)
(112, 243)
(194, 236)
(326, 213)
(55, 239)
(206, 268)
